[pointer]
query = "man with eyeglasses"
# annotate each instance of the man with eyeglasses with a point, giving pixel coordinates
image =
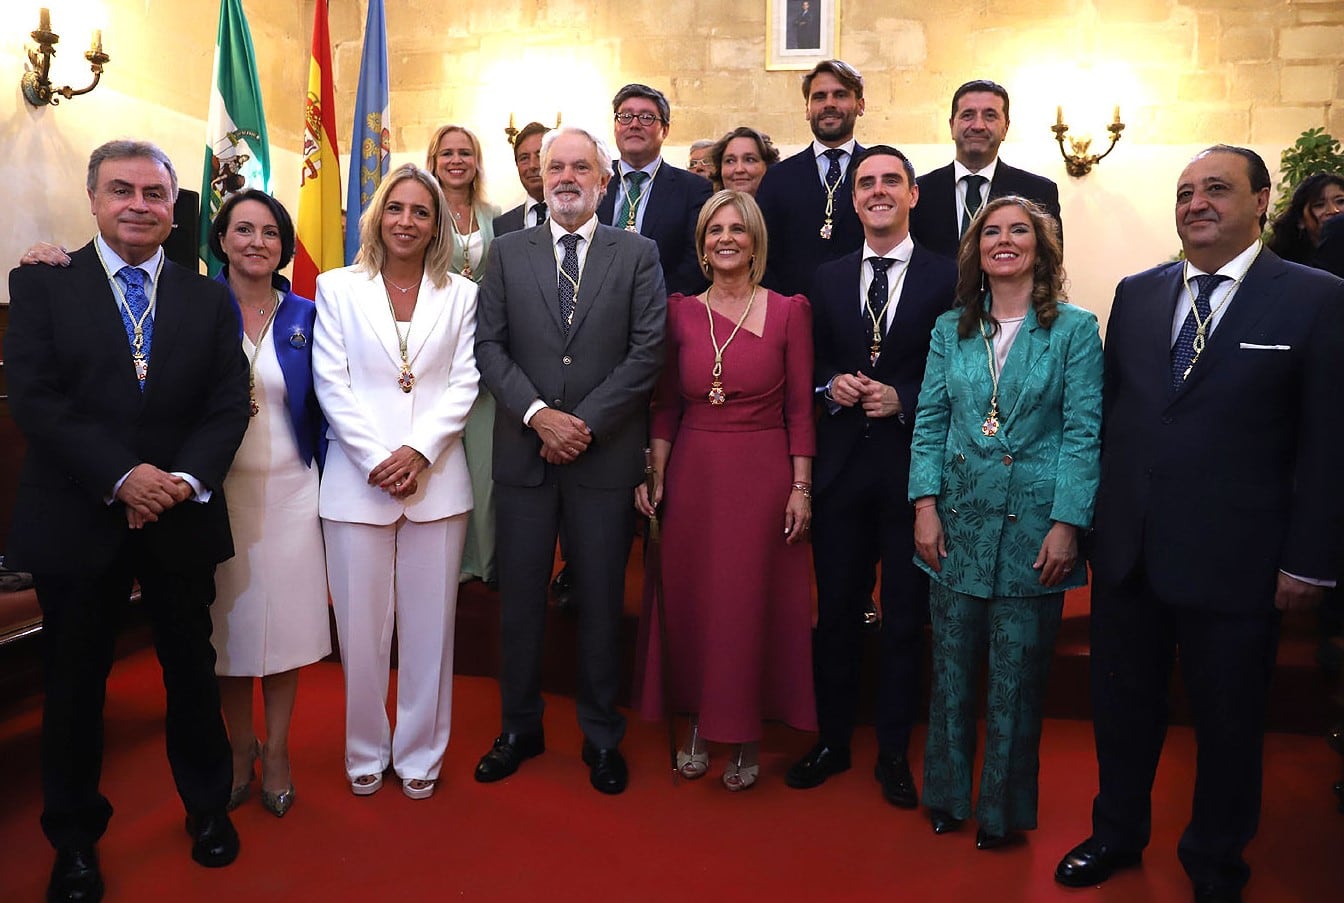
(650, 196)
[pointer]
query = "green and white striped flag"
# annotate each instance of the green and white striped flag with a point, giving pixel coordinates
(237, 151)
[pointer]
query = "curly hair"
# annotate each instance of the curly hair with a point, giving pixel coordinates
(1047, 272)
(1289, 238)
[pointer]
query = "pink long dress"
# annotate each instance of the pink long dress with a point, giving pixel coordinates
(738, 598)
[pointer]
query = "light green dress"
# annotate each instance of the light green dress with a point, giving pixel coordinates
(478, 558)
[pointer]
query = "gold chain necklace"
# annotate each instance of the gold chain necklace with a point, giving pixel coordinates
(716, 394)
(632, 207)
(466, 239)
(826, 227)
(138, 357)
(1205, 326)
(406, 379)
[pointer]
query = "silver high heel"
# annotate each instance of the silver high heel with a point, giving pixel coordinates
(693, 759)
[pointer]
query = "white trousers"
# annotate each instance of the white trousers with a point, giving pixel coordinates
(403, 573)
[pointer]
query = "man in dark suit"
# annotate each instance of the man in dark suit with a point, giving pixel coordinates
(569, 339)
(527, 157)
(127, 380)
(873, 311)
(649, 195)
(952, 194)
(1219, 507)
(807, 199)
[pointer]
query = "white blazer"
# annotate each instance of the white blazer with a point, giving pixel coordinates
(356, 362)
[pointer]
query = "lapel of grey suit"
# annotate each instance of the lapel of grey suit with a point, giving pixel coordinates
(596, 267)
(542, 256)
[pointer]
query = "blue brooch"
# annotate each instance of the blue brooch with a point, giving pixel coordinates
(297, 339)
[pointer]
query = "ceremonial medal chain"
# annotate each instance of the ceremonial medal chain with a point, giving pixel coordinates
(1204, 326)
(252, 407)
(991, 425)
(880, 317)
(138, 356)
(632, 207)
(569, 320)
(466, 240)
(716, 394)
(406, 379)
(827, 226)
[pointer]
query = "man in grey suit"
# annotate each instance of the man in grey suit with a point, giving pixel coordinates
(569, 340)
(527, 157)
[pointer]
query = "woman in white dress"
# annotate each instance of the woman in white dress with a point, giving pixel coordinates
(270, 611)
(395, 370)
(454, 156)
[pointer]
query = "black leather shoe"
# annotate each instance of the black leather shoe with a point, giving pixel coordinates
(898, 784)
(214, 842)
(943, 822)
(606, 768)
(509, 751)
(813, 769)
(986, 841)
(1092, 862)
(1210, 894)
(75, 877)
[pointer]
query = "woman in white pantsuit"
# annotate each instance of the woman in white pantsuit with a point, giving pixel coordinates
(396, 376)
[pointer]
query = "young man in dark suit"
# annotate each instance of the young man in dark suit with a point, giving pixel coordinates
(650, 196)
(873, 311)
(807, 200)
(127, 379)
(527, 157)
(952, 194)
(569, 339)
(1219, 508)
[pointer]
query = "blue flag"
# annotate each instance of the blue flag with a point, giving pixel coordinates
(370, 146)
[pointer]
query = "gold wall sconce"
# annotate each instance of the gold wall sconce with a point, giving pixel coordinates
(511, 132)
(1080, 162)
(37, 87)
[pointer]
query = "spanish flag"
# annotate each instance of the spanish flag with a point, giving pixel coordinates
(318, 245)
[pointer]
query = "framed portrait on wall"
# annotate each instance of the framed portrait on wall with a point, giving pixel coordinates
(801, 33)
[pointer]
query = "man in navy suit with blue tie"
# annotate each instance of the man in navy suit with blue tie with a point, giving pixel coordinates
(951, 195)
(1219, 508)
(650, 196)
(807, 199)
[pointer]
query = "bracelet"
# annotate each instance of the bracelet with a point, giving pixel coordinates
(926, 506)
(804, 488)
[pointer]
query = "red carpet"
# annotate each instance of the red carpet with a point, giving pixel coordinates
(546, 835)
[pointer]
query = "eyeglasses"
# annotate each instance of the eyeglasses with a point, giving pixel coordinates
(644, 118)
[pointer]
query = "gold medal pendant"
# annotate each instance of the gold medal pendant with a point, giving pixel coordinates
(466, 270)
(631, 227)
(141, 366)
(826, 228)
(716, 394)
(874, 350)
(253, 408)
(407, 379)
(991, 425)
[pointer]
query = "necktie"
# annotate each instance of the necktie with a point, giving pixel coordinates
(133, 281)
(1183, 352)
(540, 210)
(834, 174)
(973, 184)
(878, 295)
(634, 191)
(569, 280)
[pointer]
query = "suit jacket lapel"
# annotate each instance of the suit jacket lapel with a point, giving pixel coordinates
(105, 313)
(372, 301)
(424, 318)
(1249, 302)
(1032, 342)
(170, 307)
(596, 266)
(542, 257)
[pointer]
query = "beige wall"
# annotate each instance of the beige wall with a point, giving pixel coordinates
(1186, 74)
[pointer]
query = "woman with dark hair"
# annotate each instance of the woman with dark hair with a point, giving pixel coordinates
(395, 370)
(454, 156)
(1004, 466)
(1296, 232)
(732, 447)
(270, 612)
(740, 159)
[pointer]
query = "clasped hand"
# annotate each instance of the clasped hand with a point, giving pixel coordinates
(563, 436)
(147, 492)
(397, 474)
(877, 399)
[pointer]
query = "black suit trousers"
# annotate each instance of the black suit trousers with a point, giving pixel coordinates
(80, 616)
(1226, 660)
(598, 525)
(859, 520)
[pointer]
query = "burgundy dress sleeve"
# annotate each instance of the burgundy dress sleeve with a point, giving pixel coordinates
(798, 390)
(667, 397)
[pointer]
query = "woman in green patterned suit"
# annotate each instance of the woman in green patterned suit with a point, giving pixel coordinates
(1004, 468)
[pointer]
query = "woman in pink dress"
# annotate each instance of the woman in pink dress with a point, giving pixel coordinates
(732, 447)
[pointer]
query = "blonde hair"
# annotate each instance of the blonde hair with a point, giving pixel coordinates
(373, 254)
(477, 190)
(747, 208)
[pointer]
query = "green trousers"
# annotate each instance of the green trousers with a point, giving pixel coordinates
(1019, 634)
(478, 441)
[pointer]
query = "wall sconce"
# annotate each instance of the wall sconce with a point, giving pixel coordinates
(511, 132)
(1080, 162)
(37, 88)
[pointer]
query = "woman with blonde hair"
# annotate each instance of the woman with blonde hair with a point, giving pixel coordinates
(395, 371)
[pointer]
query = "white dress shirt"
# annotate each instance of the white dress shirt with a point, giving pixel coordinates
(824, 162)
(959, 173)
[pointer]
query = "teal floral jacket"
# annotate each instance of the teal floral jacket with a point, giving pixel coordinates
(998, 496)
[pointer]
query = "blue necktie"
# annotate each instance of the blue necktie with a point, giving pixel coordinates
(133, 280)
(569, 279)
(834, 174)
(1183, 352)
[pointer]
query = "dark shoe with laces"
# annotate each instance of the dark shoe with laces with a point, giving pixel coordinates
(607, 771)
(1092, 862)
(508, 752)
